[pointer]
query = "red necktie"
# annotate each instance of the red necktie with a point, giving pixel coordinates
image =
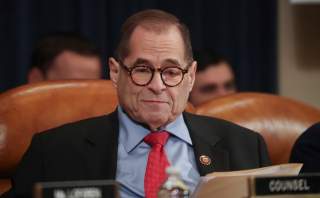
(157, 163)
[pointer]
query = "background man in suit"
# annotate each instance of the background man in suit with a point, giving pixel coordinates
(214, 77)
(64, 56)
(153, 73)
(306, 150)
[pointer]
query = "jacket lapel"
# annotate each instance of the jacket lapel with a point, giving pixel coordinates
(209, 157)
(101, 146)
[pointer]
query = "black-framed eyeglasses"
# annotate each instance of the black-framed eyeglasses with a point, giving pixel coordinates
(142, 75)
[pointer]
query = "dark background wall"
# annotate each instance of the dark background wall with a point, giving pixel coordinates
(244, 31)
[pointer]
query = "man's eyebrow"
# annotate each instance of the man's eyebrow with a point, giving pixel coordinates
(171, 61)
(166, 61)
(142, 61)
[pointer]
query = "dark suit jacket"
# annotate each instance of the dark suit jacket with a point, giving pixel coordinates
(87, 150)
(306, 150)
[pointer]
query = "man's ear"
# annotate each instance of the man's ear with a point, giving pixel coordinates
(35, 75)
(192, 74)
(114, 69)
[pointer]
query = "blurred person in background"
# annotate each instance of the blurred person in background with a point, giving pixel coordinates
(214, 77)
(64, 56)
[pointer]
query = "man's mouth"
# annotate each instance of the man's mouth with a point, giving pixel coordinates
(155, 101)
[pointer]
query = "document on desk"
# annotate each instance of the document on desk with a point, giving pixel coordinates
(236, 184)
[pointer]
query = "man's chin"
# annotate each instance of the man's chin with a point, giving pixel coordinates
(155, 121)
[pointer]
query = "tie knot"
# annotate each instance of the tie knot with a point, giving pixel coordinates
(158, 137)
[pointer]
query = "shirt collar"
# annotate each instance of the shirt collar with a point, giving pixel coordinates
(132, 133)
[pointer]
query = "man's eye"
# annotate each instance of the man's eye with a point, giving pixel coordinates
(209, 88)
(171, 72)
(141, 70)
(230, 85)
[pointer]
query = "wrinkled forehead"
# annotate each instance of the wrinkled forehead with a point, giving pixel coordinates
(156, 26)
(157, 46)
(166, 61)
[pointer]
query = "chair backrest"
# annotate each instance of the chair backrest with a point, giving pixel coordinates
(278, 119)
(36, 107)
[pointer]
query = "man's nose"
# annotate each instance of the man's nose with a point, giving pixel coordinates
(156, 84)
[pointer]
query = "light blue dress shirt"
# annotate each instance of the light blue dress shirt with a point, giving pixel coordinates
(133, 154)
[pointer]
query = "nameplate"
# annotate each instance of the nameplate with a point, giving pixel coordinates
(77, 189)
(304, 184)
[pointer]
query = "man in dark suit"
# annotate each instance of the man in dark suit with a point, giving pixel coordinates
(306, 150)
(153, 73)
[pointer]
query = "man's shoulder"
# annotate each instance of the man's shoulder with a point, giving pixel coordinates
(312, 132)
(310, 136)
(78, 129)
(217, 126)
(235, 140)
